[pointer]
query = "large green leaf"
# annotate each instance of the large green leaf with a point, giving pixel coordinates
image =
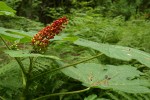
(123, 78)
(26, 53)
(6, 10)
(13, 35)
(115, 51)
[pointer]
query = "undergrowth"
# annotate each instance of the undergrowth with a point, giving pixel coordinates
(89, 26)
(20, 23)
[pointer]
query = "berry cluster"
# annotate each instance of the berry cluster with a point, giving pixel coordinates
(41, 40)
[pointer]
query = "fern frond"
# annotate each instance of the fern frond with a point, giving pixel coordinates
(112, 96)
(125, 95)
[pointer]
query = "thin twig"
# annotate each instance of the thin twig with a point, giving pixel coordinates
(63, 93)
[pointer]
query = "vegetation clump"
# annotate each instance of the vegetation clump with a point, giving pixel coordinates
(102, 53)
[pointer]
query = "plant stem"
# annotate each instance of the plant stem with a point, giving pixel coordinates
(1, 98)
(28, 80)
(5, 43)
(27, 75)
(50, 71)
(64, 93)
(17, 59)
(21, 65)
(75, 63)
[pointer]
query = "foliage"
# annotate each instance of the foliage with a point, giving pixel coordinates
(119, 69)
(6, 10)
(19, 23)
(118, 52)
(46, 11)
(15, 35)
(134, 33)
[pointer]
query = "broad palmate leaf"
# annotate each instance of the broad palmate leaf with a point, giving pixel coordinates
(123, 78)
(118, 52)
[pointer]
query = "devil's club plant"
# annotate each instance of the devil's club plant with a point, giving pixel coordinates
(41, 40)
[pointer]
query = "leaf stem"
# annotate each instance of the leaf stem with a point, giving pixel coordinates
(60, 68)
(2, 98)
(28, 80)
(21, 65)
(76, 63)
(22, 68)
(31, 65)
(17, 59)
(63, 93)
(5, 42)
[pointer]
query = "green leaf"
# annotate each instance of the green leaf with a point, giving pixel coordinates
(17, 32)
(13, 35)
(91, 97)
(23, 53)
(6, 13)
(65, 37)
(94, 97)
(123, 78)
(118, 52)
(72, 39)
(6, 10)
(10, 76)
